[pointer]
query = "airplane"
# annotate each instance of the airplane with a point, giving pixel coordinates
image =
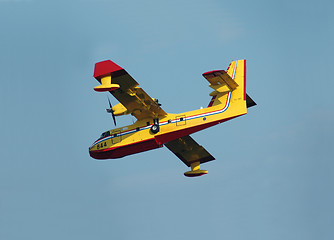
(156, 128)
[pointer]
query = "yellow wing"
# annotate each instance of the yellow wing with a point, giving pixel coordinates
(125, 89)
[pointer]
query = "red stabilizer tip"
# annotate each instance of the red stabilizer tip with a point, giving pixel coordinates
(211, 72)
(105, 68)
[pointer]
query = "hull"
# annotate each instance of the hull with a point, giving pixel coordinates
(118, 152)
(153, 143)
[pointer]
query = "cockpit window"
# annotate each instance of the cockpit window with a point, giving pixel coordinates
(105, 134)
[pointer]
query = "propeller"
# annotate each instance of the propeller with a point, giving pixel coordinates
(109, 110)
(157, 102)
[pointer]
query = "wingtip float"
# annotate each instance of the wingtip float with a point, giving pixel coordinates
(155, 128)
(103, 72)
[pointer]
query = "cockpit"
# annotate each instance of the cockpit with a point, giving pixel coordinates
(105, 134)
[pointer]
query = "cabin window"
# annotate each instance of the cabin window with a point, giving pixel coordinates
(147, 123)
(181, 119)
(105, 134)
(115, 135)
(137, 129)
(169, 121)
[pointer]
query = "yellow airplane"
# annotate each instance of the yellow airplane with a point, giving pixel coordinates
(155, 128)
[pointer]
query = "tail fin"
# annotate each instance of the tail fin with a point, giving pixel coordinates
(231, 80)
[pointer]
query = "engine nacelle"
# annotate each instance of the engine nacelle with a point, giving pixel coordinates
(119, 110)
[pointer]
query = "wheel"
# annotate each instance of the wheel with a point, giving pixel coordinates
(155, 128)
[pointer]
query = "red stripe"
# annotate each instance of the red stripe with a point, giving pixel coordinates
(228, 67)
(211, 73)
(245, 79)
(212, 100)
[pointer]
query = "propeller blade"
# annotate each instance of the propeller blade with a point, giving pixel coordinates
(113, 117)
(111, 111)
(157, 102)
(109, 103)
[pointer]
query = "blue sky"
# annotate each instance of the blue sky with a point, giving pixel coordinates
(273, 177)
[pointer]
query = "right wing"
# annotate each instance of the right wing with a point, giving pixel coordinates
(133, 98)
(189, 151)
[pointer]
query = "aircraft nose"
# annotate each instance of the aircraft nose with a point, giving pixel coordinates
(93, 153)
(92, 150)
(96, 153)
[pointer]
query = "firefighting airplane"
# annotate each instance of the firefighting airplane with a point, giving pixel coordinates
(155, 128)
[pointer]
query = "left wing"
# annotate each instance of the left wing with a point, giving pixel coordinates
(133, 98)
(189, 151)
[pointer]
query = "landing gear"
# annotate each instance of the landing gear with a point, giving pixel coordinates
(155, 127)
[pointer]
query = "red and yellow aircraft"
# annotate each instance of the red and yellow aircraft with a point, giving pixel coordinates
(155, 128)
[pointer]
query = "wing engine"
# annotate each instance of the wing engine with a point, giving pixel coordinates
(119, 110)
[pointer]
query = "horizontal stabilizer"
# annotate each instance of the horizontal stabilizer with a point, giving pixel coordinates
(220, 81)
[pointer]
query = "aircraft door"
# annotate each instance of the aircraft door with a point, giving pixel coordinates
(180, 120)
(116, 137)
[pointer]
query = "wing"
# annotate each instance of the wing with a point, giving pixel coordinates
(133, 98)
(189, 151)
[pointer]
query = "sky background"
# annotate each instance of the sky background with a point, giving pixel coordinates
(273, 177)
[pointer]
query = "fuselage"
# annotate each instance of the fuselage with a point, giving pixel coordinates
(138, 137)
